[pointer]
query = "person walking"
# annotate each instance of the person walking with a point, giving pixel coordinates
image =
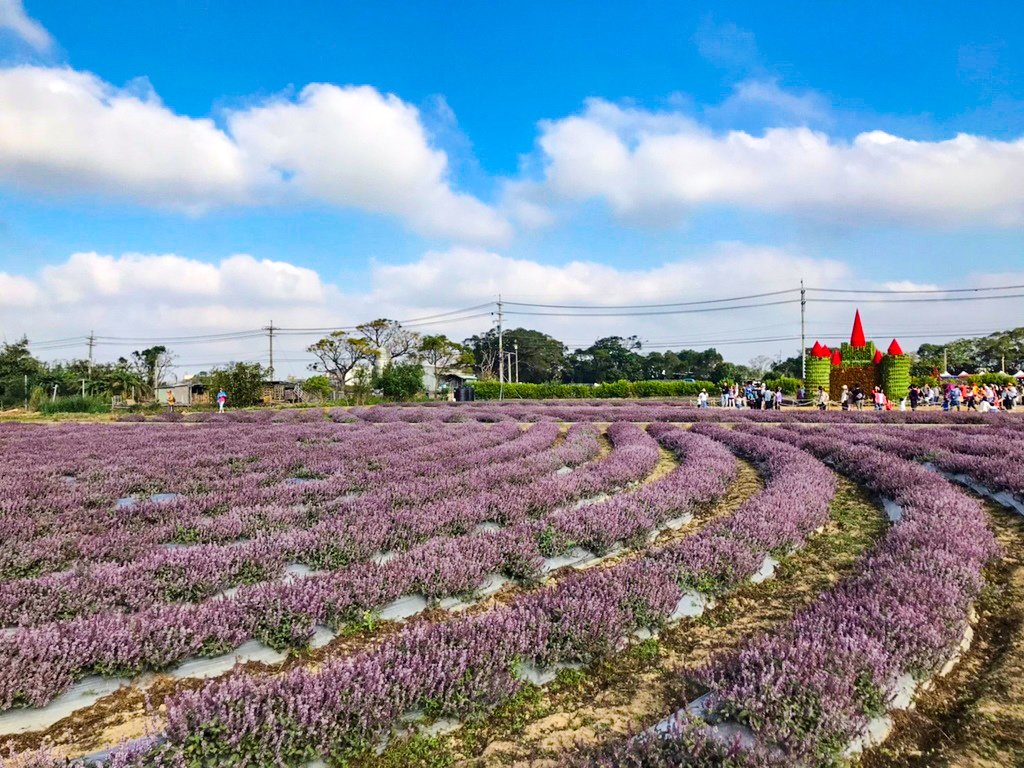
(822, 399)
(778, 399)
(844, 398)
(170, 401)
(222, 399)
(702, 399)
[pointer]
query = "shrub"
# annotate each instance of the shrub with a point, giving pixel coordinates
(74, 404)
(488, 390)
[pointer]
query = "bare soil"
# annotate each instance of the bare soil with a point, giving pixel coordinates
(974, 717)
(635, 689)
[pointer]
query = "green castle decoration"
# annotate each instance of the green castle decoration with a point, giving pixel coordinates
(895, 372)
(819, 369)
(858, 362)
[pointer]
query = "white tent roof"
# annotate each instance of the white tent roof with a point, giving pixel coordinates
(963, 375)
(946, 375)
(1019, 375)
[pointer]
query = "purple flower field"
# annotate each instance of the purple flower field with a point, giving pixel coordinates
(139, 549)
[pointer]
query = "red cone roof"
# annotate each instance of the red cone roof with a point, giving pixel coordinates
(857, 336)
(894, 348)
(819, 350)
(878, 356)
(837, 359)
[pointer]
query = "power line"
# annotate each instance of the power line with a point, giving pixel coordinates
(425, 320)
(917, 301)
(922, 290)
(659, 312)
(651, 306)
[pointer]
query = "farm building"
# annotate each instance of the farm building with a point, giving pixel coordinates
(185, 393)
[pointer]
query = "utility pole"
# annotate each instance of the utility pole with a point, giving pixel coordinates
(803, 340)
(92, 343)
(515, 344)
(270, 338)
(501, 353)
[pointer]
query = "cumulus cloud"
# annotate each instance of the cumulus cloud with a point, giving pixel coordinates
(63, 131)
(14, 18)
(663, 166)
(161, 296)
(354, 146)
(69, 132)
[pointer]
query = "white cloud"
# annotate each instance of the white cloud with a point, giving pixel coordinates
(68, 132)
(726, 44)
(354, 146)
(63, 131)
(662, 166)
(14, 18)
(17, 291)
(160, 296)
(768, 103)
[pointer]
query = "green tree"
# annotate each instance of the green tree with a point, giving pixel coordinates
(400, 381)
(989, 353)
(390, 340)
(339, 355)
(612, 358)
(17, 362)
(243, 383)
(152, 366)
(317, 386)
(443, 355)
(541, 357)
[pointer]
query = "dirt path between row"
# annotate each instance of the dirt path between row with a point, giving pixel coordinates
(974, 717)
(640, 686)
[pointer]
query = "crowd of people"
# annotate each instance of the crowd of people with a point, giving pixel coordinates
(951, 396)
(754, 394)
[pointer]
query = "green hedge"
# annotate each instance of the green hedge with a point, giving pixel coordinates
(75, 404)
(488, 390)
(789, 385)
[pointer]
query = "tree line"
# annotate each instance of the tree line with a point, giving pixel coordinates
(383, 357)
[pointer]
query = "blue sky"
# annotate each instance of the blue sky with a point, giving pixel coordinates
(405, 158)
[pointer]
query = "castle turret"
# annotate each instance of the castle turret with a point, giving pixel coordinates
(895, 372)
(819, 368)
(857, 335)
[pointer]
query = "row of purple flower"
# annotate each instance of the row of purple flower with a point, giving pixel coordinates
(457, 667)
(41, 661)
(220, 484)
(350, 531)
